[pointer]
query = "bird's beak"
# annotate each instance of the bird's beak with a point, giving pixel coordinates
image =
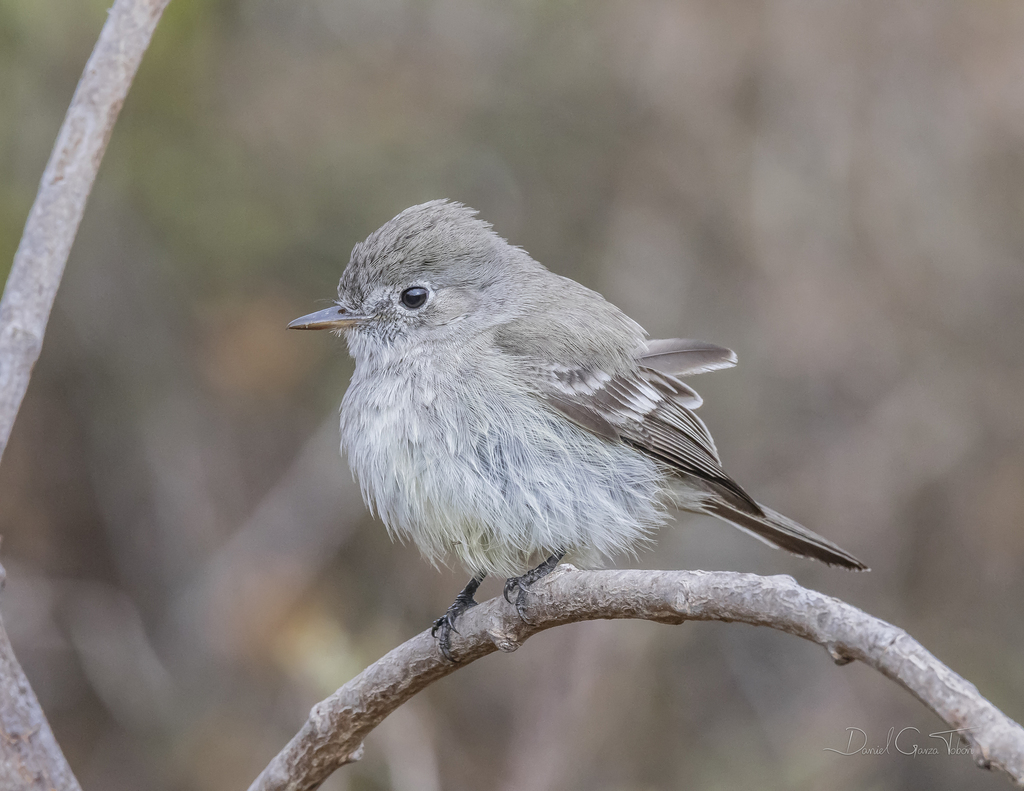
(334, 318)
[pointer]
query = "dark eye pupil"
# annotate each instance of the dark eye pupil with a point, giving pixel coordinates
(414, 297)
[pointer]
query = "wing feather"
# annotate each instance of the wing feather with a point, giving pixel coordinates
(653, 411)
(650, 410)
(685, 357)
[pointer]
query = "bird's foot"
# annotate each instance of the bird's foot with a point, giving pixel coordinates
(522, 583)
(445, 625)
(518, 584)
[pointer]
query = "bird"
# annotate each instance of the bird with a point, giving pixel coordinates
(505, 416)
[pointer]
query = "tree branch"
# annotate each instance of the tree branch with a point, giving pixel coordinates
(333, 734)
(30, 757)
(60, 202)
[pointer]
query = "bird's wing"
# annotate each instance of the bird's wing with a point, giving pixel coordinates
(653, 412)
(647, 409)
(684, 357)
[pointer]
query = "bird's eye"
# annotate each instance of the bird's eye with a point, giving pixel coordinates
(414, 297)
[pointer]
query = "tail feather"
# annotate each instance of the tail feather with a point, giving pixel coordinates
(780, 531)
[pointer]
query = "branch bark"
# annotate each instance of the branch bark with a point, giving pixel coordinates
(333, 734)
(60, 202)
(30, 757)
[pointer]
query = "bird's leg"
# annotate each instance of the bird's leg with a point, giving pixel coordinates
(445, 625)
(526, 580)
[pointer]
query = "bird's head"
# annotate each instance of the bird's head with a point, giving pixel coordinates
(430, 273)
(436, 274)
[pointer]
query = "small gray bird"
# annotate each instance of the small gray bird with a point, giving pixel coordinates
(503, 414)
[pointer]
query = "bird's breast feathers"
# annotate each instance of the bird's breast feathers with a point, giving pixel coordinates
(466, 460)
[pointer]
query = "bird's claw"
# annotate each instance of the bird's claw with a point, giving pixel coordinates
(510, 585)
(523, 582)
(521, 585)
(442, 631)
(445, 625)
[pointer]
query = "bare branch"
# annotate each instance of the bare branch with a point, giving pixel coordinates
(60, 202)
(29, 755)
(333, 734)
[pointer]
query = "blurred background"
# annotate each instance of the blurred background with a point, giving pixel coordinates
(834, 188)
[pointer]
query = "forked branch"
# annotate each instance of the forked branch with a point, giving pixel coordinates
(334, 732)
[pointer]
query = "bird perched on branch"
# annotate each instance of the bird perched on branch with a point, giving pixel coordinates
(502, 414)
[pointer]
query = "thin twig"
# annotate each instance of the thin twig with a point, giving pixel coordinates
(30, 757)
(333, 734)
(60, 202)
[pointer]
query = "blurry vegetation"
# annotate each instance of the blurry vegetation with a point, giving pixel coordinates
(834, 189)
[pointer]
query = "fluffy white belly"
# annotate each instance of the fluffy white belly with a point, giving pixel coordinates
(493, 482)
